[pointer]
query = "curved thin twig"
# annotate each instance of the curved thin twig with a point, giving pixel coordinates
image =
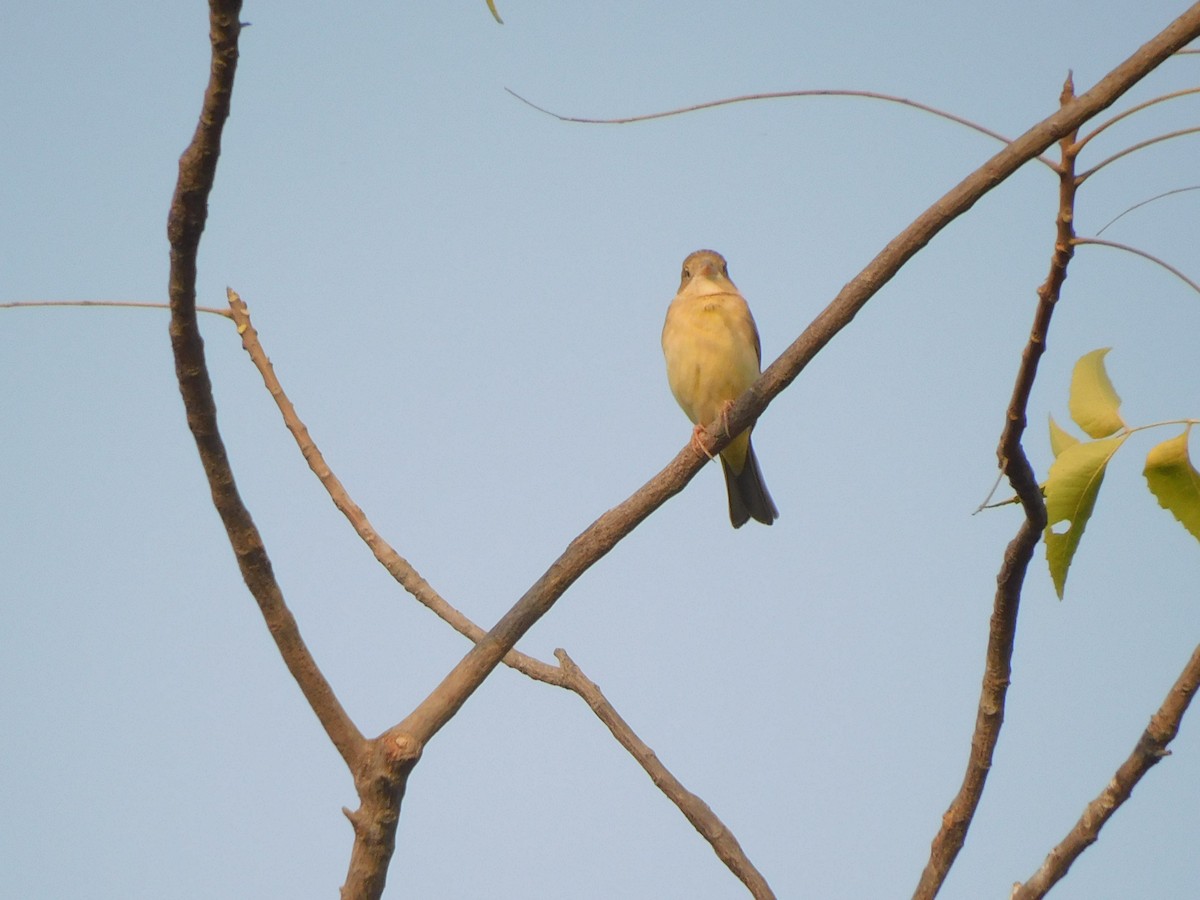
(779, 95)
(116, 304)
(1140, 145)
(1153, 101)
(1151, 747)
(1156, 197)
(1143, 254)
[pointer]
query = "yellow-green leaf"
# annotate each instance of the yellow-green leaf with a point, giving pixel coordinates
(495, 15)
(1071, 488)
(1060, 440)
(1175, 482)
(1093, 402)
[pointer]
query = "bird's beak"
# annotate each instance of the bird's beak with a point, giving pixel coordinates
(709, 270)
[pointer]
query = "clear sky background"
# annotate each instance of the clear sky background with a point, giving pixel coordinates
(463, 298)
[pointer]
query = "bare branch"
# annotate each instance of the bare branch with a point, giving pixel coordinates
(185, 225)
(396, 565)
(1144, 255)
(780, 95)
(1151, 747)
(381, 772)
(437, 709)
(567, 676)
(1014, 463)
(696, 810)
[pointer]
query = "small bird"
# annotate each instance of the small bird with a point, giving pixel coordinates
(713, 356)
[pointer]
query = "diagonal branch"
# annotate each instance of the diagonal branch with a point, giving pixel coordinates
(567, 675)
(1151, 747)
(445, 700)
(697, 811)
(395, 564)
(185, 225)
(382, 766)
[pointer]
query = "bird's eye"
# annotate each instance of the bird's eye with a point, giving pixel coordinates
(686, 272)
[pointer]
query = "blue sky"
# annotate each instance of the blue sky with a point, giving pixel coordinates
(463, 298)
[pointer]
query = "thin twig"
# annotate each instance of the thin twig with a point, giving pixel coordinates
(1153, 101)
(1115, 219)
(117, 304)
(1151, 747)
(779, 95)
(1141, 145)
(1144, 255)
(1014, 463)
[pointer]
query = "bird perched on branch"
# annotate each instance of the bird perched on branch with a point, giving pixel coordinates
(713, 356)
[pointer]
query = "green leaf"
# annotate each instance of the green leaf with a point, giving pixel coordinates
(1060, 440)
(1071, 489)
(1175, 482)
(1093, 402)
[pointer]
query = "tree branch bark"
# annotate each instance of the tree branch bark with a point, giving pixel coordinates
(1151, 747)
(381, 766)
(703, 819)
(566, 675)
(1015, 465)
(462, 681)
(185, 225)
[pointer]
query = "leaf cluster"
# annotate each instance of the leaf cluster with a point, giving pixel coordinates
(1079, 465)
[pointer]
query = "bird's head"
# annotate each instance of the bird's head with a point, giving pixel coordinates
(707, 272)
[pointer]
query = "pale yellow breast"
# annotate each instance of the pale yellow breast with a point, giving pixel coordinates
(711, 348)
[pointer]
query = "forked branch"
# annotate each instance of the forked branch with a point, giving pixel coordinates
(381, 766)
(567, 675)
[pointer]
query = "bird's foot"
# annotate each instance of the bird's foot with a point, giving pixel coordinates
(725, 408)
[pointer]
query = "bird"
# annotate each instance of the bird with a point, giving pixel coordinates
(713, 355)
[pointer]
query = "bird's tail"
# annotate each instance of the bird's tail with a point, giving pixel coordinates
(748, 497)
